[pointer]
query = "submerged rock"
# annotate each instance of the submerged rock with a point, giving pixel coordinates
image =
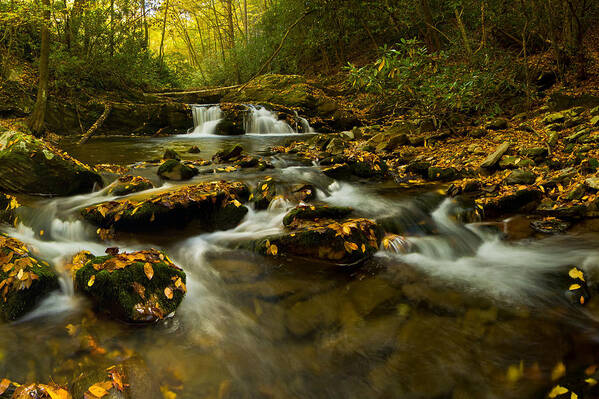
(311, 212)
(128, 184)
(175, 170)
(137, 287)
(228, 154)
(24, 280)
(214, 205)
(29, 165)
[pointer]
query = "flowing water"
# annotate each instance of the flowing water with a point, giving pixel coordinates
(462, 314)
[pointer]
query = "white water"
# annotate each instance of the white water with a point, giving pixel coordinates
(258, 120)
(205, 119)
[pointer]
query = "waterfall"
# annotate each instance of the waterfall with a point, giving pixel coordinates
(205, 119)
(262, 121)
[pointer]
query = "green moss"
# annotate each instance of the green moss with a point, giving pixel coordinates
(113, 291)
(316, 212)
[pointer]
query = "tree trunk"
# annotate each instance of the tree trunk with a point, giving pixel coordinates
(145, 22)
(230, 24)
(431, 33)
(161, 51)
(37, 118)
(97, 125)
(111, 28)
(245, 21)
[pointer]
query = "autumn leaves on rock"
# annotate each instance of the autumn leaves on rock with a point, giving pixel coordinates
(138, 287)
(214, 205)
(32, 166)
(24, 280)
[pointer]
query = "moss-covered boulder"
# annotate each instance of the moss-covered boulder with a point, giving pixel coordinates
(172, 169)
(8, 206)
(228, 154)
(211, 205)
(343, 242)
(32, 166)
(24, 280)
(316, 212)
(137, 287)
(128, 184)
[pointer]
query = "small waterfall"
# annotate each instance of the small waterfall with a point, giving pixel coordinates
(262, 121)
(205, 119)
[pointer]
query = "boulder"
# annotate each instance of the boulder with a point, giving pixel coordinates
(497, 124)
(315, 212)
(556, 117)
(128, 184)
(171, 154)
(521, 176)
(214, 205)
(513, 162)
(338, 171)
(520, 201)
(443, 174)
(228, 154)
(32, 166)
(493, 158)
(346, 241)
(24, 280)
(137, 287)
(176, 170)
(194, 150)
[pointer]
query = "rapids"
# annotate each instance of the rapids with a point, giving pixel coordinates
(462, 313)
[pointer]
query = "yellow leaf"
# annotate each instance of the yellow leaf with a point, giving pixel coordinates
(573, 396)
(558, 371)
(149, 271)
(363, 248)
(100, 389)
(264, 186)
(168, 292)
(515, 372)
(574, 287)
(576, 273)
(591, 381)
(556, 391)
(41, 233)
(350, 246)
(382, 65)
(237, 203)
(91, 281)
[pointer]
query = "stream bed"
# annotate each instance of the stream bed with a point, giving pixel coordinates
(464, 314)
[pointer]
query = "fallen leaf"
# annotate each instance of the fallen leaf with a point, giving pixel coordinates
(168, 292)
(4, 384)
(91, 281)
(556, 391)
(149, 271)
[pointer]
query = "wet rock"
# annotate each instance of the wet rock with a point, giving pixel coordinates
(556, 117)
(171, 154)
(228, 154)
(418, 167)
(175, 170)
(591, 182)
(194, 150)
(336, 146)
(550, 226)
(342, 242)
(513, 162)
(338, 171)
(497, 124)
(8, 206)
(24, 280)
(229, 127)
(478, 132)
(538, 154)
(316, 212)
(520, 201)
(29, 165)
(443, 174)
(493, 158)
(576, 193)
(567, 212)
(392, 143)
(236, 267)
(137, 287)
(128, 184)
(521, 176)
(213, 205)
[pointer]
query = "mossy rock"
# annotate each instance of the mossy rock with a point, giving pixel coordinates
(172, 169)
(338, 171)
(8, 206)
(265, 191)
(24, 280)
(128, 184)
(212, 205)
(169, 153)
(341, 242)
(138, 287)
(316, 212)
(32, 166)
(228, 154)
(443, 174)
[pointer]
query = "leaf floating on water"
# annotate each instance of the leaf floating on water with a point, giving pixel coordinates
(168, 292)
(558, 371)
(574, 287)
(4, 384)
(91, 281)
(576, 273)
(557, 391)
(149, 271)
(100, 389)
(591, 381)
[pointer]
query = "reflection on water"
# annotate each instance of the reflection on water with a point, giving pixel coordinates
(465, 315)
